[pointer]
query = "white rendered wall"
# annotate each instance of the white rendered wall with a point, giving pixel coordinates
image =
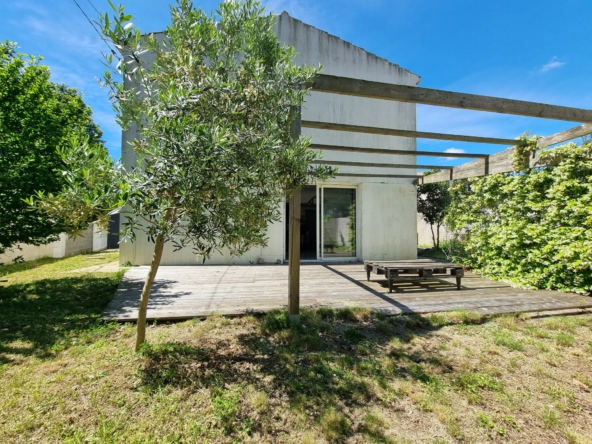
(99, 241)
(63, 247)
(82, 244)
(387, 207)
(28, 252)
(424, 233)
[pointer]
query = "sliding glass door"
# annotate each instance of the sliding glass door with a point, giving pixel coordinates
(337, 223)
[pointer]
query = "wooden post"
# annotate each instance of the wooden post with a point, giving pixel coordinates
(294, 257)
(294, 236)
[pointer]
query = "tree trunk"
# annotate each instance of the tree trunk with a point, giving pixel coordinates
(141, 326)
(437, 236)
(433, 236)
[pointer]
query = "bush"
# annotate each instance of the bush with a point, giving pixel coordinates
(531, 229)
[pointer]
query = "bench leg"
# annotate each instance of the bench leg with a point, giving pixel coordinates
(390, 285)
(458, 283)
(367, 274)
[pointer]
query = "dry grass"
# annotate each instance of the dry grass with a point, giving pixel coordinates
(343, 376)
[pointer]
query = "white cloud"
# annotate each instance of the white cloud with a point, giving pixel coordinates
(64, 33)
(453, 150)
(553, 63)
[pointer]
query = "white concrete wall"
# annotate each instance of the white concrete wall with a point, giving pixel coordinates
(99, 241)
(387, 207)
(388, 221)
(81, 244)
(28, 252)
(424, 233)
(91, 240)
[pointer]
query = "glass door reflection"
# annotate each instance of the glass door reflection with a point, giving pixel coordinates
(338, 223)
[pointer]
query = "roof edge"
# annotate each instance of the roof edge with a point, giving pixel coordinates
(356, 46)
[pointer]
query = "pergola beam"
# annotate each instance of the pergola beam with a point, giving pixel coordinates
(564, 136)
(503, 162)
(408, 133)
(317, 146)
(384, 176)
(381, 165)
(391, 176)
(413, 94)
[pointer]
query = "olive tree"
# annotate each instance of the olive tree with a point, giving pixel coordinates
(210, 101)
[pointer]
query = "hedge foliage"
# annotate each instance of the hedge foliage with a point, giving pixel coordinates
(533, 229)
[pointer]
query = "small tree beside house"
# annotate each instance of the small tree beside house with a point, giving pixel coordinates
(433, 199)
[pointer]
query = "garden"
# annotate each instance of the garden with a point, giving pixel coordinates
(348, 375)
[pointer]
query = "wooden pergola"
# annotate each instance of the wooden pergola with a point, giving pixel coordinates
(484, 164)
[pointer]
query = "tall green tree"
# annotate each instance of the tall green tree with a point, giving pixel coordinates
(433, 200)
(211, 102)
(37, 120)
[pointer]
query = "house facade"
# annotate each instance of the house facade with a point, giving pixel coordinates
(348, 218)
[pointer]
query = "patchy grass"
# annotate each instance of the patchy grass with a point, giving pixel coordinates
(347, 375)
(45, 308)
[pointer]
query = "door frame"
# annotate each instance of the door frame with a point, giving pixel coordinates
(319, 191)
(320, 221)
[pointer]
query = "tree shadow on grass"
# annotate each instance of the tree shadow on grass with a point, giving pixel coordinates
(332, 359)
(7, 269)
(44, 316)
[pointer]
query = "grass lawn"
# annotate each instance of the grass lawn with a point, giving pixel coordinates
(433, 252)
(349, 375)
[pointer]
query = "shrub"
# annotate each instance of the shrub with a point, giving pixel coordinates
(530, 229)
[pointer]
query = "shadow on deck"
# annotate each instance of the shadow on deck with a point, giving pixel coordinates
(185, 292)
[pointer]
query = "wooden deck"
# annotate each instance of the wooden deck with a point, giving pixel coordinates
(184, 292)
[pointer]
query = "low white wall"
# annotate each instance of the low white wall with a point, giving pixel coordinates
(91, 240)
(81, 244)
(424, 233)
(29, 252)
(99, 241)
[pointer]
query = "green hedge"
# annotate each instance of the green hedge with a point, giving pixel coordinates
(533, 229)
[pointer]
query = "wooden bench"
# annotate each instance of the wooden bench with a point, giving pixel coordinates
(424, 268)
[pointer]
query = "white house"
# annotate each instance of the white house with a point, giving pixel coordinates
(346, 218)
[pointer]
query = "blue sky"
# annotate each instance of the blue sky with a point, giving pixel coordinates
(537, 50)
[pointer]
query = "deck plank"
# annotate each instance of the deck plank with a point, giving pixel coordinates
(185, 292)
